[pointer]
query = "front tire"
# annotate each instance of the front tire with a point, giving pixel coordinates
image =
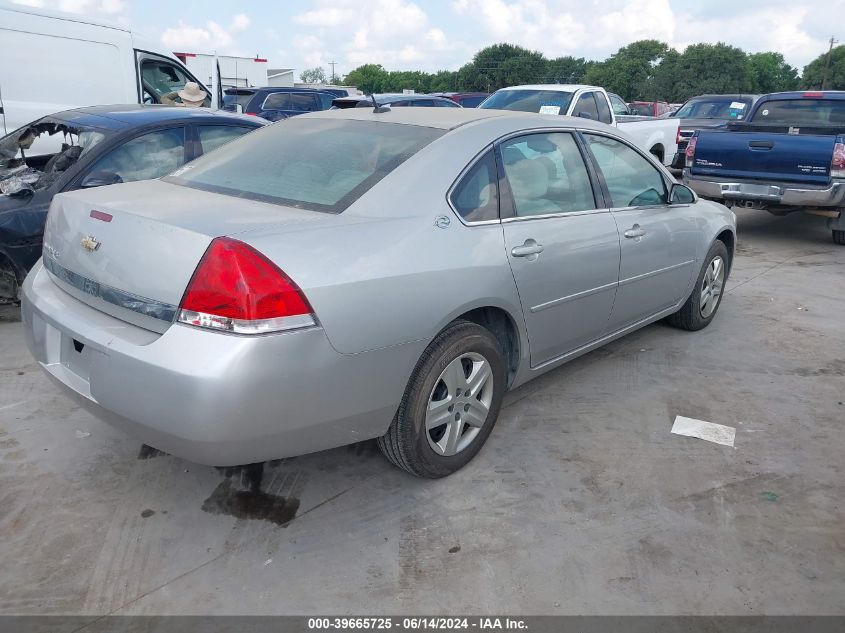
(701, 306)
(450, 405)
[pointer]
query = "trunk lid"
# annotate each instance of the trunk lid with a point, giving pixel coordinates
(130, 250)
(764, 155)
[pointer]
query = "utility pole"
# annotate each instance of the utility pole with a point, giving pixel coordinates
(332, 64)
(827, 63)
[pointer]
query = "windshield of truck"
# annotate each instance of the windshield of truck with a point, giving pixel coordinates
(726, 108)
(24, 167)
(317, 164)
(542, 101)
(806, 111)
(641, 109)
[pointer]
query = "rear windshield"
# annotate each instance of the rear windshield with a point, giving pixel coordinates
(545, 101)
(317, 164)
(231, 100)
(808, 112)
(725, 108)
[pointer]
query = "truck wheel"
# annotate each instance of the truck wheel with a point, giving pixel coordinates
(839, 236)
(701, 306)
(450, 404)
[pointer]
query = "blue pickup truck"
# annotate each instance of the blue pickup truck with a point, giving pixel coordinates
(788, 155)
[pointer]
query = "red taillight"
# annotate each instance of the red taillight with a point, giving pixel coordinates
(690, 151)
(678, 134)
(837, 163)
(237, 289)
(251, 113)
(813, 95)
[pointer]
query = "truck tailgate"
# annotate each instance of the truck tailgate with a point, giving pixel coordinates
(764, 156)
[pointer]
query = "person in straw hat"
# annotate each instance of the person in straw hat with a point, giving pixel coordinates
(192, 96)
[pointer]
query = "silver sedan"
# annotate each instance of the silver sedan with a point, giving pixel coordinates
(356, 274)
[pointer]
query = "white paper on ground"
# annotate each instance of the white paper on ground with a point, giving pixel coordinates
(709, 431)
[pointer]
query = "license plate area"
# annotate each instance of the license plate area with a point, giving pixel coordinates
(76, 357)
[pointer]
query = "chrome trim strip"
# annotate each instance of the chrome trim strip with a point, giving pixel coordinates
(562, 214)
(114, 296)
(629, 280)
(577, 295)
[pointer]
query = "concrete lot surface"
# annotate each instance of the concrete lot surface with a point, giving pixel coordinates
(582, 501)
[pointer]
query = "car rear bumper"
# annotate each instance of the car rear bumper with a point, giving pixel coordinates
(210, 397)
(776, 194)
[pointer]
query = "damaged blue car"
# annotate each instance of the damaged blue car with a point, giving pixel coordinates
(91, 147)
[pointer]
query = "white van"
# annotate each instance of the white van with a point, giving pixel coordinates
(51, 61)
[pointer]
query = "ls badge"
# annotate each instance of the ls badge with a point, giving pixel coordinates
(90, 244)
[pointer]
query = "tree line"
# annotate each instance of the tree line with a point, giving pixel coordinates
(646, 70)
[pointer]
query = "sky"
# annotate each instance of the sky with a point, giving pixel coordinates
(444, 34)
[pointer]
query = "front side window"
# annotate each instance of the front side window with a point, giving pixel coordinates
(151, 155)
(213, 136)
(604, 110)
(323, 165)
(630, 178)
(475, 197)
(586, 105)
(547, 174)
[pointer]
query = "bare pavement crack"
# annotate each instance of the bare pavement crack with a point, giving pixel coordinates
(211, 560)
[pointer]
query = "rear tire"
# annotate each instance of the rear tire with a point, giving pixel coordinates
(450, 405)
(701, 306)
(839, 236)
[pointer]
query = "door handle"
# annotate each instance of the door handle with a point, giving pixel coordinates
(635, 231)
(529, 249)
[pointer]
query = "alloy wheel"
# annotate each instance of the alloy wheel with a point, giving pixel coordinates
(711, 286)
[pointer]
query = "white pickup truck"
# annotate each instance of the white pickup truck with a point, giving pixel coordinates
(658, 136)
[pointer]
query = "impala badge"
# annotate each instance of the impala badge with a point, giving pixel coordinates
(89, 243)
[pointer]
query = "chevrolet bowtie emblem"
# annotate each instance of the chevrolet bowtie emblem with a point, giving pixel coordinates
(89, 243)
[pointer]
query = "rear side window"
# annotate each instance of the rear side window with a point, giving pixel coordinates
(304, 102)
(277, 101)
(813, 112)
(213, 136)
(630, 178)
(586, 104)
(547, 174)
(323, 165)
(475, 197)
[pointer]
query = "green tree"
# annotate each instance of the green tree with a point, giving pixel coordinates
(399, 80)
(814, 71)
(502, 65)
(368, 78)
(709, 68)
(444, 81)
(630, 70)
(314, 75)
(771, 73)
(566, 70)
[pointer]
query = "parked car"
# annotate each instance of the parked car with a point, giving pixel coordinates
(618, 105)
(649, 108)
(658, 137)
(102, 145)
(297, 290)
(236, 99)
(275, 104)
(787, 155)
(51, 61)
(464, 99)
(394, 101)
(239, 96)
(708, 112)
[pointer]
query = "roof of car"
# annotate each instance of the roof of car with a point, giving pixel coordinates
(553, 87)
(121, 116)
(451, 118)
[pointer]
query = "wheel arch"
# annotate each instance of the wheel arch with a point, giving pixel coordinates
(728, 238)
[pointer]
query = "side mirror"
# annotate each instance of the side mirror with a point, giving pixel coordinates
(681, 194)
(100, 179)
(585, 115)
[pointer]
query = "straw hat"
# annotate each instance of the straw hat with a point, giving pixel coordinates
(192, 93)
